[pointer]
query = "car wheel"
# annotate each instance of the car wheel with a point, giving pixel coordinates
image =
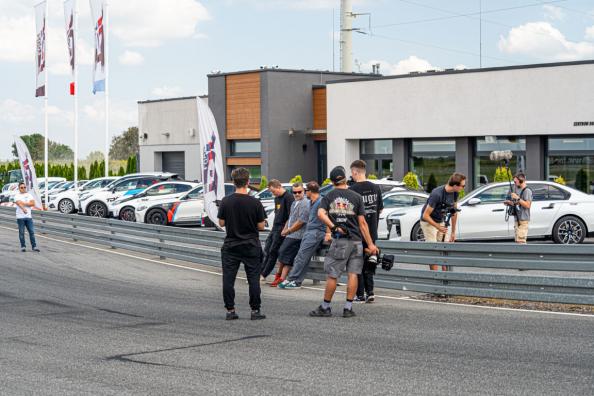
(66, 206)
(97, 209)
(127, 214)
(569, 230)
(417, 233)
(156, 216)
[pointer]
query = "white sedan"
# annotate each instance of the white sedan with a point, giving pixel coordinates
(560, 213)
(395, 200)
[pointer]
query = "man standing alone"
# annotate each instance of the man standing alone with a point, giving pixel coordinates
(374, 204)
(243, 217)
(521, 198)
(24, 203)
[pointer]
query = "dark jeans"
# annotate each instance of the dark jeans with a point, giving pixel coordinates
(251, 257)
(28, 224)
(273, 244)
(365, 280)
(311, 242)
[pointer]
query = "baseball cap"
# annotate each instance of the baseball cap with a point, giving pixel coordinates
(337, 174)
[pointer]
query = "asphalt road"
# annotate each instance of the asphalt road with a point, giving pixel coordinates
(80, 321)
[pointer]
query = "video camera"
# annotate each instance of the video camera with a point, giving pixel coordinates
(385, 260)
(447, 212)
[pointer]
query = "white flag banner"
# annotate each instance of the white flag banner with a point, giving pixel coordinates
(28, 170)
(213, 176)
(97, 8)
(40, 55)
(69, 19)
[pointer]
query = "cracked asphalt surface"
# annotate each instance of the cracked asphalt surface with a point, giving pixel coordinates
(80, 321)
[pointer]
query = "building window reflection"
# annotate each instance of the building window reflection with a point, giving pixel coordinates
(433, 161)
(377, 154)
(572, 158)
(484, 168)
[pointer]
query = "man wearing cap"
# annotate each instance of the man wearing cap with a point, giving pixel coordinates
(343, 212)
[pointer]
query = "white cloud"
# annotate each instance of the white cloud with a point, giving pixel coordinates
(542, 40)
(16, 112)
(590, 33)
(405, 66)
(17, 39)
(296, 4)
(553, 13)
(131, 58)
(167, 91)
(148, 23)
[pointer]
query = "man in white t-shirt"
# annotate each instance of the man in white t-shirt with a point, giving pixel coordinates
(24, 204)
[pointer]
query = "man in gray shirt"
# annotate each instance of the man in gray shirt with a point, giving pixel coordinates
(521, 198)
(293, 232)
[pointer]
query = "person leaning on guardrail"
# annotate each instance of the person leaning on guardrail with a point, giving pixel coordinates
(243, 217)
(439, 210)
(24, 204)
(343, 212)
(521, 200)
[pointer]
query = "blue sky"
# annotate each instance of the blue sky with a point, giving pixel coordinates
(165, 48)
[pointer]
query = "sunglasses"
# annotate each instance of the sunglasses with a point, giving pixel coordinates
(297, 192)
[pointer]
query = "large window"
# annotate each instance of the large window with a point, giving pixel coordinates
(246, 148)
(484, 168)
(255, 172)
(572, 158)
(433, 161)
(377, 154)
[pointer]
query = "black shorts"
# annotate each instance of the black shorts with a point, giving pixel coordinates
(288, 250)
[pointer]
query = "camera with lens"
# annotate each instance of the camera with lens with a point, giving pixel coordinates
(385, 260)
(447, 212)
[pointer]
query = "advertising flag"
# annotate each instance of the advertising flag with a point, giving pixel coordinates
(69, 19)
(28, 170)
(97, 14)
(213, 176)
(40, 55)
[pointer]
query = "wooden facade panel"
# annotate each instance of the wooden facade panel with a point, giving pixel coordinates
(319, 108)
(243, 106)
(244, 161)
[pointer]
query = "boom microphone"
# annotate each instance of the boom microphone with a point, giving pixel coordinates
(505, 155)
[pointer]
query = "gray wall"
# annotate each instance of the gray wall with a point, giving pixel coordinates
(217, 101)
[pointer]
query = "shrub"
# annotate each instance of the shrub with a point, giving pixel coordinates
(581, 180)
(263, 183)
(326, 182)
(372, 176)
(431, 183)
(296, 179)
(502, 174)
(560, 180)
(411, 181)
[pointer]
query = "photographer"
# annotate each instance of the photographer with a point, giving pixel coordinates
(343, 213)
(521, 201)
(439, 208)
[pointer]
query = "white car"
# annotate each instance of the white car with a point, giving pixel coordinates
(395, 200)
(8, 192)
(266, 195)
(156, 213)
(384, 184)
(124, 208)
(67, 201)
(560, 213)
(94, 203)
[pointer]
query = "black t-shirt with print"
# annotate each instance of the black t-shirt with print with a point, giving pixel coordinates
(343, 207)
(372, 199)
(438, 200)
(242, 214)
(282, 209)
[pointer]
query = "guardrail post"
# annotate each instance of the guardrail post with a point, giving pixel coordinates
(43, 225)
(112, 232)
(316, 282)
(74, 227)
(161, 240)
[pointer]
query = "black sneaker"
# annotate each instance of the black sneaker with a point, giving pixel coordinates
(257, 315)
(231, 315)
(370, 299)
(36, 249)
(320, 312)
(23, 250)
(348, 313)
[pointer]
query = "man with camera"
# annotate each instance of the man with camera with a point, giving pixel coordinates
(374, 204)
(520, 202)
(440, 211)
(343, 213)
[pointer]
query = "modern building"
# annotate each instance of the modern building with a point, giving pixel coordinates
(168, 134)
(436, 123)
(273, 121)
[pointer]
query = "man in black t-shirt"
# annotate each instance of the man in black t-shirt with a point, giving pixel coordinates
(282, 206)
(343, 212)
(440, 206)
(243, 217)
(374, 204)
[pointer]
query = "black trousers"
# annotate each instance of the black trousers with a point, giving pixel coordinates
(251, 257)
(273, 244)
(365, 280)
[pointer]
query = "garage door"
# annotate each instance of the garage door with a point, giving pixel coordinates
(174, 162)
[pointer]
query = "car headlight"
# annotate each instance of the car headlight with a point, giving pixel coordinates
(141, 208)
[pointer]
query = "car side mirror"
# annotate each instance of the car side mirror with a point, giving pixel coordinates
(474, 201)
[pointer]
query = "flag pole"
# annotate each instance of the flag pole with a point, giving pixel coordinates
(75, 59)
(45, 143)
(106, 28)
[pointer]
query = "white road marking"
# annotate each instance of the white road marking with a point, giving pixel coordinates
(306, 287)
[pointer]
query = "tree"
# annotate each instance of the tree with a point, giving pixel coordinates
(125, 145)
(263, 183)
(95, 156)
(431, 183)
(411, 181)
(581, 180)
(121, 172)
(36, 145)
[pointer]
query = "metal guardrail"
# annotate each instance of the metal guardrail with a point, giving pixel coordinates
(477, 267)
